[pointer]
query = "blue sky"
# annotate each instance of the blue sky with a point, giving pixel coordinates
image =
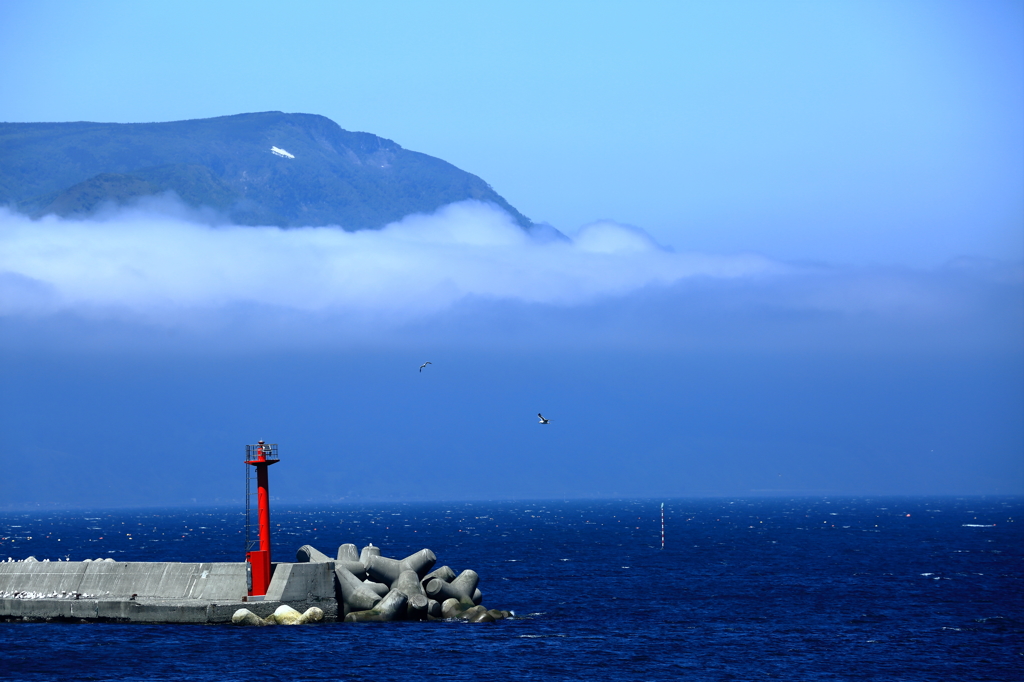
(800, 271)
(863, 132)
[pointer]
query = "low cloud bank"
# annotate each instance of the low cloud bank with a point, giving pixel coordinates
(159, 265)
(147, 262)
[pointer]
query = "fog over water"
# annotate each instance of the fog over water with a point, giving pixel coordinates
(161, 265)
(160, 257)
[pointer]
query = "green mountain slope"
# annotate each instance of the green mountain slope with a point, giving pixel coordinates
(336, 177)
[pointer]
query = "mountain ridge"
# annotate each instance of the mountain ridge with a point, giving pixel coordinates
(329, 176)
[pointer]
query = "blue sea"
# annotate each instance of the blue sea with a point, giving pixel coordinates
(802, 589)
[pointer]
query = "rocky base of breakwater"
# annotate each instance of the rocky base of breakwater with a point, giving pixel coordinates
(283, 615)
(371, 587)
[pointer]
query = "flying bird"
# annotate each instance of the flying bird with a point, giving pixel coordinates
(542, 419)
(424, 365)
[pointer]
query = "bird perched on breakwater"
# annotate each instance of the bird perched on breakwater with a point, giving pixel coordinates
(542, 419)
(424, 365)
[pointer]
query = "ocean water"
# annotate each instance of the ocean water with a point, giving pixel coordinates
(745, 589)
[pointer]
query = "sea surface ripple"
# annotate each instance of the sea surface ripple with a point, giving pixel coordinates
(879, 589)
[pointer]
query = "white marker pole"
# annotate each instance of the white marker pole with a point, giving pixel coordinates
(663, 525)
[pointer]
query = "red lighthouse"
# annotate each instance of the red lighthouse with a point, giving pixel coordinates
(259, 456)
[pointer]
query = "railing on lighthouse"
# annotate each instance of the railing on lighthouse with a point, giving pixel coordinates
(258, 457)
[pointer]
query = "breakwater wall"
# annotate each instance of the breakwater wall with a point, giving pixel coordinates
(153, 592)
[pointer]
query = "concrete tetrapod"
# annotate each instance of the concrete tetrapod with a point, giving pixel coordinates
(356, 595)
(450, 608)
(380, 588)
(354, 567)
(409, 583)
(390, 608)
(476, 614)
(367, 552)
(445, 573)
(348, 552)
(283, 615)
(416, 607)
(385, 570)
(421, 562)
(310, 554)
(247, 617)
(465, 584)
(462, 588)
(286, 615)
(314, 614)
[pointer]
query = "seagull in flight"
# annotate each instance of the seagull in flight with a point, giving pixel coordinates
(542, 419)
(424, 365)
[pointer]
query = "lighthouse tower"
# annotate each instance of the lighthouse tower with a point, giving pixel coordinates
(259, 456)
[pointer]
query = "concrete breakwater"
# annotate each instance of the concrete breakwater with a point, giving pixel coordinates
(140, 592)
(355, 587)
